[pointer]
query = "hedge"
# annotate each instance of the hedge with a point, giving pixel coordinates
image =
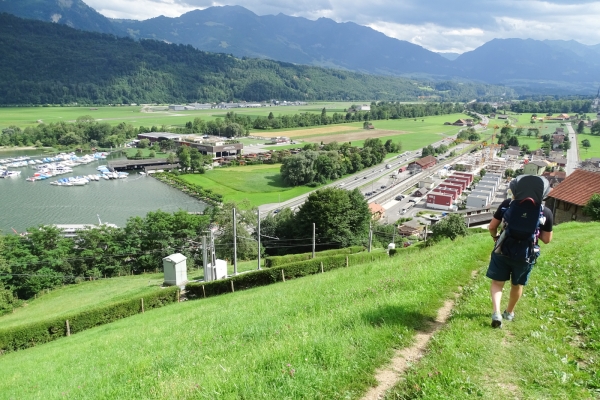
(271, 275)
(24, 336)
(275, 261)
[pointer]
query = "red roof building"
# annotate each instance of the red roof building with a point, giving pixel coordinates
(568, 198)
(426, 162)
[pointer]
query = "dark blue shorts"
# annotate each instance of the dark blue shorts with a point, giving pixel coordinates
(502, 268)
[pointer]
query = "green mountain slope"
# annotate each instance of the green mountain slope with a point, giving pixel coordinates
(49, 63)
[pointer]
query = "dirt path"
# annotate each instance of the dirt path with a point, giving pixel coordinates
(392, 373)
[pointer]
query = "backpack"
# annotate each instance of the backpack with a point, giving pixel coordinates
(521, 228)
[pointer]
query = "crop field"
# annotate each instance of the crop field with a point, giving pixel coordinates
(259, 184)
(328, 129)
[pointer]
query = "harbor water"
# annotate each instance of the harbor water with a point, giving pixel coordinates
(26, 204)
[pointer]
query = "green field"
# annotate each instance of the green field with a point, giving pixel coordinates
(29, 116)
(594, 150)
(259, 184)
(324, 336)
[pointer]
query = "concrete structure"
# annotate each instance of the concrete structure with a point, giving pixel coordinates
(486, 194)
(175, 269)
(427, 183)
(440, 201)
(569, 197)
(219, 271)
(485, 187)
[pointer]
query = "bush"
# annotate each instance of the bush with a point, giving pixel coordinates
(24, 336)
(272, 275)
(290, 258)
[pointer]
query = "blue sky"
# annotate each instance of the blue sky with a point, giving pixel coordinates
(438, 25)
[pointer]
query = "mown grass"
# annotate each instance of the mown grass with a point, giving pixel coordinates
(259, 184)
(549, 351)
(593, 150)
(319, 337)
(76, 298)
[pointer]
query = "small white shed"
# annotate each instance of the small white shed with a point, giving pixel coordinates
(219, 271)
(175, 269)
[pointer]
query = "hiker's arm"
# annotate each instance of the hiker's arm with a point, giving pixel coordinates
(545, 237)
(493, 227)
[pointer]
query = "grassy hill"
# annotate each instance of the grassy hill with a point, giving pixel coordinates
(323, 336)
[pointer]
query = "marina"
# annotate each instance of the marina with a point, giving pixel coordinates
(34, 194)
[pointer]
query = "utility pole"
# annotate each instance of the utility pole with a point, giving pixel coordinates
(313, 242)
(258, 237)
(394, 234)
(370, 236)
(234, 244)
(204, 258)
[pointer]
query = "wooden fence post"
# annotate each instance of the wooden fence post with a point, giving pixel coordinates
(282, 275)
(178, 295)
(142, 305)
(232, 289)
(346, 261)
(68, 328)
(203, 291)
(321, 266)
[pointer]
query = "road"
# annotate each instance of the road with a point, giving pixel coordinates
(573, 152)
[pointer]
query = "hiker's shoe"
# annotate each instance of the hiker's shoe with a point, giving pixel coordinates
(496, 320)
(508, 316)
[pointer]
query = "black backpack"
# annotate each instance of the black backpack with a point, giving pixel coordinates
(521, 227)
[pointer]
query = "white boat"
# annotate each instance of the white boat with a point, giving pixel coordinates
(142, 173)
(9, 174)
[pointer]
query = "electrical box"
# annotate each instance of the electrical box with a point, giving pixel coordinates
(175, 269)
(219, 271)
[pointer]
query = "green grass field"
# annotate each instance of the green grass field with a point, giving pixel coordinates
(323, 336)
(593, 150)
(317, 337)
(259, 184)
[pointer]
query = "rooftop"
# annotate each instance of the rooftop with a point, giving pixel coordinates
(578, 187)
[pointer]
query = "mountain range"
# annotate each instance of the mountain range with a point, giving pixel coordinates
(532, 66)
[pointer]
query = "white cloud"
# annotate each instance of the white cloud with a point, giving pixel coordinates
(439, 25)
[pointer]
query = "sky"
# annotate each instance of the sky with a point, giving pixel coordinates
(438, 25)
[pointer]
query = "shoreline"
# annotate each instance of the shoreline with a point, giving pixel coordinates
(4, 148)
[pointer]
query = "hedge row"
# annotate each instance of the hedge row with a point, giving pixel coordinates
(275, 261)
(196, 191)
(24, 336)
(271, 275)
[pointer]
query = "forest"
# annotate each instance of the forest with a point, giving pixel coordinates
(44, 63)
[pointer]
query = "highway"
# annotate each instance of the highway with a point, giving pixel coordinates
(573, 152)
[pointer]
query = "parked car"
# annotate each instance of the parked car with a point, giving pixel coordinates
(399, 197)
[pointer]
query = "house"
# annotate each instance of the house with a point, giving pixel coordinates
(535, 167)
(557, 140)
(440, 201)
(176, 107)
(460, 174)
(427, 183)
(538, 152)
(411, 228)
(442, 187)
(502, 116)
(555, 177)
(569, 197)
(512, 154)
(426, 162)
(463, 122)
(377, 211)
(492, 115)
(421, 192)
(474, 201)
(558, 161)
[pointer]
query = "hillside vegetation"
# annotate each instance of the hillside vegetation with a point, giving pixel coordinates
(323, 336)
(49, 63)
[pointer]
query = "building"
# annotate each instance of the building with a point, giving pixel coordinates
(377, 211)
(425, 162)
(512, 154)
(176, 107)
(411, 228)
(535, 167)
(212, 147)
(554, 178)
(71, 230)
(474, 201)
(569, 197)
(446, 188)
(421, 192)
(440, 201)
(463, 175)
(427, 183)
(461, 183)
(558, 161)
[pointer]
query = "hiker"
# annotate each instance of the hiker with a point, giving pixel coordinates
(524, 220)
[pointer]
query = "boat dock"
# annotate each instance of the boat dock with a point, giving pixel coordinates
(151, 164)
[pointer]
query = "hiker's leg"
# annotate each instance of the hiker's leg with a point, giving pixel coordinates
(515, 294)
(496, 292)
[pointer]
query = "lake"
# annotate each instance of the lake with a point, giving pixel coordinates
(26, 204)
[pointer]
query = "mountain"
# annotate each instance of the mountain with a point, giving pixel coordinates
(324, 42)
(544, 65)
(449, 55)
(44, 62)
(73, 13)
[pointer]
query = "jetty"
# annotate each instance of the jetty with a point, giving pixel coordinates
(148, 164)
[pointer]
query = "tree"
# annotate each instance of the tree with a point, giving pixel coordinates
(171, 158)
(580, 126)
(341, 217)
(247, 247)
(586, 144)
(299, 169)
(566, 145)
(183, 153)
(451, 227)
(596, 128)
(592, 207)
(152, 154)
(139, 154)
(143, 144)
(513, 141)
(482, 172)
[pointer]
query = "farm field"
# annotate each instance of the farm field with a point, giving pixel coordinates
(260, 184)
(593, 151)
(285, 341)
(274, 342)
(29, 116)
